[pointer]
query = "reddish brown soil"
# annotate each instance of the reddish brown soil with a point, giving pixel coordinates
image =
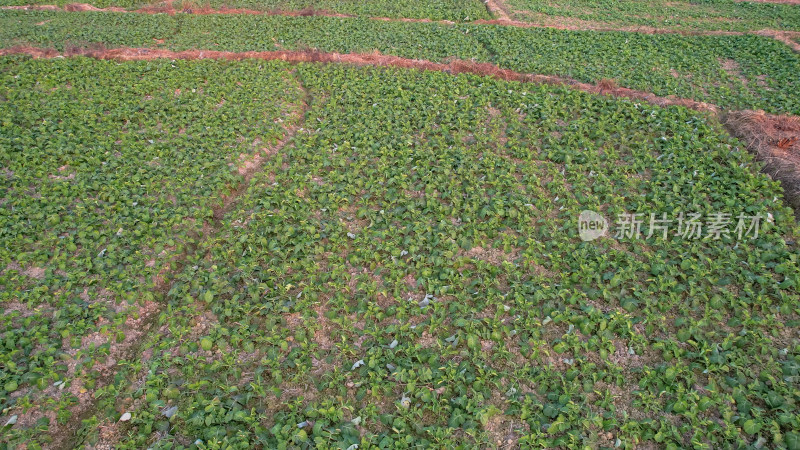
(787, 37)
(498, 9)
(774, 139)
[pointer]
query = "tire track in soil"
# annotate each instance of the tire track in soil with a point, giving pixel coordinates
(65, 436)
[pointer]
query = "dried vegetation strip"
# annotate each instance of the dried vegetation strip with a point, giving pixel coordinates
(775, 140)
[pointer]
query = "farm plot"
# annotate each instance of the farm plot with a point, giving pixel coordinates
(110, 174)
(408, 271)
(727, 15)
(451, 10)
(733, 72)
(127, 4)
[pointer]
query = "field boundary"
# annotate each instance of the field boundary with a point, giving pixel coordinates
(785, 37)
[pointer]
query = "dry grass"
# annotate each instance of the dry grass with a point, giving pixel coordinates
(774, 141)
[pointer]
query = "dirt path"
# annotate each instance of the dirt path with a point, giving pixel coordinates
(789, 38)
(497, 9)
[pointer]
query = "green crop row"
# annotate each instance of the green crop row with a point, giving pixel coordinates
(736, 72)
(108, 174)
(408, 272)
(452, 10)
(729, 15)
(699, 15)
(97, 3)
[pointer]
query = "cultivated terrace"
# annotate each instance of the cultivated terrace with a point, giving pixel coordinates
(354, 225)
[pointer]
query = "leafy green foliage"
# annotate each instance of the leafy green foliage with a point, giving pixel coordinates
(454, 10)
(97, 3)
(109, 173)
(765, 75)
(408, 271)
(727, 15)
(665, 64)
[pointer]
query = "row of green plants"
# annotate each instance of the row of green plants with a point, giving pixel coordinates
(451, 10)
(689, 15)
(735, 72)
(702, 15)
(408, 272)
(109, 174)
(131, 4)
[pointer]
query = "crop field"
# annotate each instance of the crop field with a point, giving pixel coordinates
(250, 230)
(452, 10)
(729, 15)
(739, 72)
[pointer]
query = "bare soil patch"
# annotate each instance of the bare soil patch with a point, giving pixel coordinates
(790, 38)
(732, 68)
(497, 9)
